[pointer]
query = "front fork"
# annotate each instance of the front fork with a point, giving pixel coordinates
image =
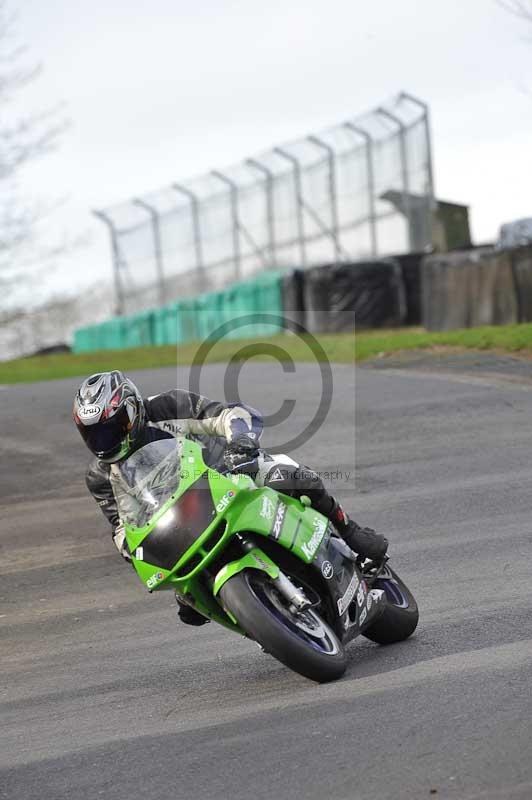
(296, 597)
(255, 558)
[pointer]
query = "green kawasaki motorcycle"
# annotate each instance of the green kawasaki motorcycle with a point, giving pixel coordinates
(264, 565)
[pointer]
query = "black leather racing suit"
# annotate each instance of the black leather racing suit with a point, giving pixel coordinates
(214, 425)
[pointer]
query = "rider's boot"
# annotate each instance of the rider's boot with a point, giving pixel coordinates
(363, 541)
(189, 615)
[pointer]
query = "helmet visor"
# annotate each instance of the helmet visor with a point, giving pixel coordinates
(108, 439)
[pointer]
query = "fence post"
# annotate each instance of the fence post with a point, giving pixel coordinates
(299, 200)
(233, 188)
(194, 208)
(370, 171)
(428, 143)
(404, 167)
(156, 229)
(119, 295)
(335, 227)
(253, 162)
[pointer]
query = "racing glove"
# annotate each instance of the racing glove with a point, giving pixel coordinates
(241, 455)
(119, 538)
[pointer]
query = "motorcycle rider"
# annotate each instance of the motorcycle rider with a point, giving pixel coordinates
(114, 421)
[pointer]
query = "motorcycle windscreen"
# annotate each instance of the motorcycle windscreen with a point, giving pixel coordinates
(144, 482)
(178, 529)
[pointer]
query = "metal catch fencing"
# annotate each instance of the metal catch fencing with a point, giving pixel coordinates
(363, 189)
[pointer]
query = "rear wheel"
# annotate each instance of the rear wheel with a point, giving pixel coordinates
(299, 639)
(399, 619)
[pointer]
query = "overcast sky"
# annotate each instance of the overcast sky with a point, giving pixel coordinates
(164, 90)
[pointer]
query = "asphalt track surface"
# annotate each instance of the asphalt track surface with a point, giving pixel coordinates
(104, 694)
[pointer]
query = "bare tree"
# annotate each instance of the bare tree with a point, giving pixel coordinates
(23, 138)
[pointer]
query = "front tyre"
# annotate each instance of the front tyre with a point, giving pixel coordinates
(300, 640)
(399, 619)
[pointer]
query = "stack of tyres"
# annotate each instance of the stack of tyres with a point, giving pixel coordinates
(522, 270)
(293, 283)
(467, 289)
(368, 294)
(411, 266)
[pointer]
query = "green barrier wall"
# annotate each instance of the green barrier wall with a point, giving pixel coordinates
(193, 319)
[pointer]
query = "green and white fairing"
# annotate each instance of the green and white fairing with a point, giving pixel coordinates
(224, 544)
(179, 515)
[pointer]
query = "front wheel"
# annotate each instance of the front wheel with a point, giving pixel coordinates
(399, 619)
(299, 639)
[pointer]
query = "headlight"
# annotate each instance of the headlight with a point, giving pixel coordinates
(167, 518)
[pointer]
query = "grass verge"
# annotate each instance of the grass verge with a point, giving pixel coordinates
(339, 348)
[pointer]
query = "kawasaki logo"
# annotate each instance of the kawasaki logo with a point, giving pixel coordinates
(310, 547)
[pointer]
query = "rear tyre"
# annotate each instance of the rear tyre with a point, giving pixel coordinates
(399, 619)
(300, 640)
